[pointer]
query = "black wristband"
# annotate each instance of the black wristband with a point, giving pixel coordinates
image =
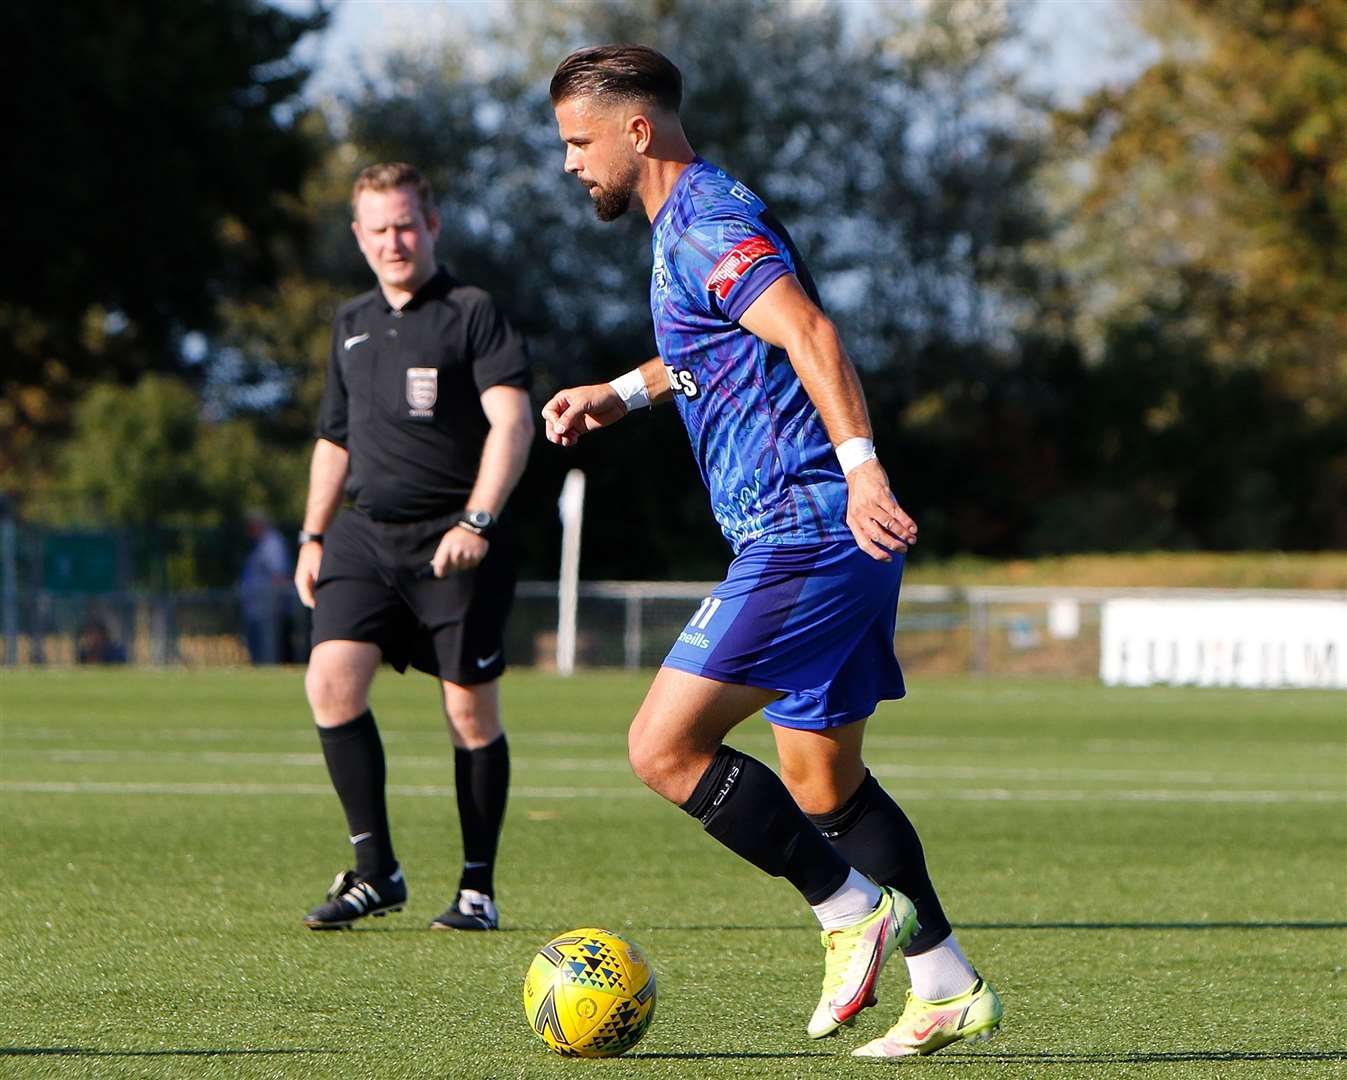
(306, 537)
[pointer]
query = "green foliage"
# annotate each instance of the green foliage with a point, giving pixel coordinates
(133, 457)
(1221, 175)
(1206, 249)
(154, 160)
(143, 456)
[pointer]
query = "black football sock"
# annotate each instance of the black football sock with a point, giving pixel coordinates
(355, 760)
(745, 806)
(481, 782)
(872, 833)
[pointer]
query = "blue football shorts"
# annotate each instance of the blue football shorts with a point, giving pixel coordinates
(814, 621)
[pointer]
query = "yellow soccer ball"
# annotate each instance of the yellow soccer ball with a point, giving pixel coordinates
(589, 993)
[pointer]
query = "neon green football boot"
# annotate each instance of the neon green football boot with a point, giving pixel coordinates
(855, 955)
(928, 1026)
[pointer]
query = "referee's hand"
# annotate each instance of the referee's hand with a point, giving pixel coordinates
(306, 571)
(459, 550)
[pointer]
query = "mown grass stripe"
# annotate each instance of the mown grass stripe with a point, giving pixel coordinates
(616, 764)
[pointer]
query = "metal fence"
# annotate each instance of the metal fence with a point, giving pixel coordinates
(995, 630)
(200, 628)
(989, 629)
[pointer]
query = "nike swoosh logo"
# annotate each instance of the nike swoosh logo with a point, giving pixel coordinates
(361, 836)
(351, 342)
(935, 1024)
(488, 661)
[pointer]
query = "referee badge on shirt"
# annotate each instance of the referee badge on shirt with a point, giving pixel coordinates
(423, 389)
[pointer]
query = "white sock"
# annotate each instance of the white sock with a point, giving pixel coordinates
(856, 899)
(941, 973)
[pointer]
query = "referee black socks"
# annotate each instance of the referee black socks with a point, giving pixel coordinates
(745, 806)
(355, 760)
(871, 832)
(481, 783)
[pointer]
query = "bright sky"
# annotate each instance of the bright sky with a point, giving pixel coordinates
(1077, 45)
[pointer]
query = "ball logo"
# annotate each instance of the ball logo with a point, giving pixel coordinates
(423, 390)
(586, 1008)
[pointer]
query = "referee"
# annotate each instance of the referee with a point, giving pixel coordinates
(425, 427)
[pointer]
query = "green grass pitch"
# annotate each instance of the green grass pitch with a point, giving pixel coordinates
(1155, 880)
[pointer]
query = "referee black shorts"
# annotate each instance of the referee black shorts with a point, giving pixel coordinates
(375, 585)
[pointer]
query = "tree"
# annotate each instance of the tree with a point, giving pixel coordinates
(143, 456)
(1210, 231)
(155, 156)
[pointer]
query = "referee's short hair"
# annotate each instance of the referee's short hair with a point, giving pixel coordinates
(388, 175)
(619, 73)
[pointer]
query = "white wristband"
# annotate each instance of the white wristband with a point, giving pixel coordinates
(855, 452)
(631, 389)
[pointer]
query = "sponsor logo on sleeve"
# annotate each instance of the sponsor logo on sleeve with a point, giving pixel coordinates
(735, 263)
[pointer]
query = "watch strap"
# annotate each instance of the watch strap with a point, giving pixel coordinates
(485, 523)
(306, 537)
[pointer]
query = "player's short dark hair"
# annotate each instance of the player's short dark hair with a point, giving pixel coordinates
(620, 73)
(388, 175)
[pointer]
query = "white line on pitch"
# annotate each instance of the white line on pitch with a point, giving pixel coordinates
(619, 765)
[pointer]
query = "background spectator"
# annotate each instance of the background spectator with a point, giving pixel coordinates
(266, 592)
(95, 645)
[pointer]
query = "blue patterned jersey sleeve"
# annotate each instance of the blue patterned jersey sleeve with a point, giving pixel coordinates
(725, 262)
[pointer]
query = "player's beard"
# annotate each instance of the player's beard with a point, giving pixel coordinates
(613, 200)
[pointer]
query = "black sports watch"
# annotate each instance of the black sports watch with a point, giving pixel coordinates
(306, 537)
(478, 521)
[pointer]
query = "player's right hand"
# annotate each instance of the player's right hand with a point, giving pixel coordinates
(306, 571)
(573, 412)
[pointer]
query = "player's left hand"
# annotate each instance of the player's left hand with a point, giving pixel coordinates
(878, 523)
(459, 550)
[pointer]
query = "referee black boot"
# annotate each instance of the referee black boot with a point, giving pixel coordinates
(351, 898)
(471, 910)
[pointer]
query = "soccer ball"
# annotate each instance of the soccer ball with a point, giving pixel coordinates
(589, 993)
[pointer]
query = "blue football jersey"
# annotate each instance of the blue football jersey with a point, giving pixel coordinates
(759, 442)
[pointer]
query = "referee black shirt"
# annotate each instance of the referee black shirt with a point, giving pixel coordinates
(403, 395)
